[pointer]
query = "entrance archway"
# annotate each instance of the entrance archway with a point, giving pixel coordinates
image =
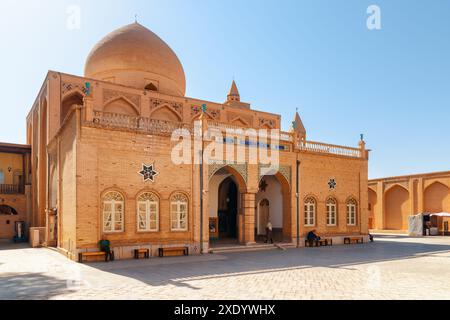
(273, 199)
(225, 193)
(227, 209)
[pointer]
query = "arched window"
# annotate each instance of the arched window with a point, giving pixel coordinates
(113, 212)
(73, 99)
(331, 212)
(148, 212)
(7, 210)
(179, 212)
(310, 212)
(2, 177)
(351, 212)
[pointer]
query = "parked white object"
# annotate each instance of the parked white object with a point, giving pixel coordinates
(415, 226)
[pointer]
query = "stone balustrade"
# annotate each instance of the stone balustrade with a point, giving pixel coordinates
(148, 125)
(161, 127)
(330, 148)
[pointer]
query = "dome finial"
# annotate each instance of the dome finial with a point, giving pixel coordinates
(135, 18)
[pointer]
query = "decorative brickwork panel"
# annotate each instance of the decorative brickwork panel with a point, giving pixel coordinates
(285, 171)
(240, 168)
(267, 122)
(175, 106)
(234, 115)
(109, 95)
(67, 87)
(214, 114)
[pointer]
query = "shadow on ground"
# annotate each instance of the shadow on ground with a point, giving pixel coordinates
(9, 245)
(179, 270)
(28, 286)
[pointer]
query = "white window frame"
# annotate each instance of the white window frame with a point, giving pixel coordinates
(113, 203)
(178, 200)
(331, 212)
(310, 212)
(351, 212)
(2, 176)
(148, 204)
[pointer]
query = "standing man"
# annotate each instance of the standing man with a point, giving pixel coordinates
(104, 246)
(269, 228)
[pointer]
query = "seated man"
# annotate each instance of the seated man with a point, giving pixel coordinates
(105, 247)
(312, 237)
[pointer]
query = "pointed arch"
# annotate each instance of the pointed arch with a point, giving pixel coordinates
(121, 105)
(166, 113)
(197, 116)
(436, 183)
(240, 122)
(277, 191)
(70, 99)
(436, 198)
(236, 174)
(74, 91)
(396, 185)
(397, 207)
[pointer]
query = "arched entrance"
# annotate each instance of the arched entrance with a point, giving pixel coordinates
(227, 209)
(225, 193)
(273, 204)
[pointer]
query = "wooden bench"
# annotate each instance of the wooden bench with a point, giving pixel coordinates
(145, 252)
(319, 243)
(311, 243)
(350, 240)
(81, 255)
(182, 250)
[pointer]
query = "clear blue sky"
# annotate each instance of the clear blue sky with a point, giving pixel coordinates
(392, 84)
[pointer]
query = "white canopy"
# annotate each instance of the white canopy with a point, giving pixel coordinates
(442, 214)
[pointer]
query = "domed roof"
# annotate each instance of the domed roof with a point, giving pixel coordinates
(136, 57)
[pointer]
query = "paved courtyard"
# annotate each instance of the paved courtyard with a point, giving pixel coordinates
(393, 267)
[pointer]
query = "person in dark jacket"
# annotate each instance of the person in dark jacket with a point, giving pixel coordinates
(312, 237)
(104, 246)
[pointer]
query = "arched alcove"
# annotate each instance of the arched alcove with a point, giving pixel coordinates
(397, 208)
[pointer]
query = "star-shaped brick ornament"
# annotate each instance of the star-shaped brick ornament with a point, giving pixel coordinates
(148, 172)
(332, 184)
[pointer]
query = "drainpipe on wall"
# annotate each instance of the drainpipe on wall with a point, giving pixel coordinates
(298, 202)
(201, 202)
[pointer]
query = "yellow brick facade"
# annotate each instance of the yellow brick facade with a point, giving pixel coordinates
(15, 191)
(392, 200)
(91, 136)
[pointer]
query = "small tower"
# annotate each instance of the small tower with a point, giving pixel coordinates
(233, 94)
(298, 128)
(234, 98)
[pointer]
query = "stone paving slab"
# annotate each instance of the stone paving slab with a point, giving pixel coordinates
(394, 267)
